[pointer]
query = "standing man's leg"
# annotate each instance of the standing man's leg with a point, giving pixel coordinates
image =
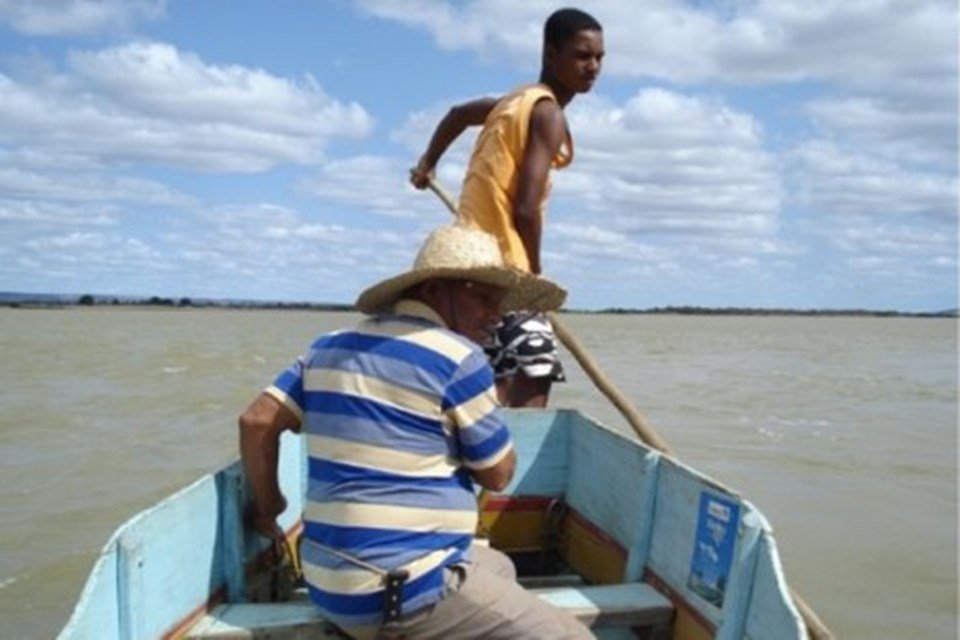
(500, 352)
(529, 392)
(504, 386)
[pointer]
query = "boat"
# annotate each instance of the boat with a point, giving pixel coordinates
(628, 538)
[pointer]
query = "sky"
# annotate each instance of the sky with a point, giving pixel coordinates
(734, 153)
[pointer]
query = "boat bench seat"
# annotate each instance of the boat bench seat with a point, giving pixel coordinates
(296, 620)
(633, 604)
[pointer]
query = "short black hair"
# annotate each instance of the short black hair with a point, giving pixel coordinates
(563, 24)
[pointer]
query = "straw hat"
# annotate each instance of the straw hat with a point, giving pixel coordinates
(466, 253)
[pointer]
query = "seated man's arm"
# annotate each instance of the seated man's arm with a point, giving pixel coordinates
(484, 441)
(260, 428)
(497, 477)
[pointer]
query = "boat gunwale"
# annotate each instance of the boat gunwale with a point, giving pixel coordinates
(112, 548)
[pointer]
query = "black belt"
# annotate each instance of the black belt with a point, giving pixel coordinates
(393, 595)
(393, 581)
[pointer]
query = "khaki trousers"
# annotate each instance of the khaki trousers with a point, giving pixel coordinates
(485, 601)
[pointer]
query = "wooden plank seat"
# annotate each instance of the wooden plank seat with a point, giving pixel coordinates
(633, 604)
(296, 620)
(552, 582)
(627, 605)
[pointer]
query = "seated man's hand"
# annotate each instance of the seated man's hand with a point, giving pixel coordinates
(266, 523)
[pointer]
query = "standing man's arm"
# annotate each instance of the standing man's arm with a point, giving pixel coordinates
(260, 428)
(459, 117)
(546, 134)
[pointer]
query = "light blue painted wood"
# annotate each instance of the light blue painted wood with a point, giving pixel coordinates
(97, 613)
(740, 585)
(179, 560)
(166, 562)
(639, 551)
(130, 585)
(293, 478)
(671, 550)
(628, 604)
(542, 442)
(230, 485)
(675, 522)
(607, 477)
(276, 621)
(771, 612)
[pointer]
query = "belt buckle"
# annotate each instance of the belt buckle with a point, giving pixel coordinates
(393, 594)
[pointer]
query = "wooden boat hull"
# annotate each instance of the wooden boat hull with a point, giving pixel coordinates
(621, 512)
(585, 500)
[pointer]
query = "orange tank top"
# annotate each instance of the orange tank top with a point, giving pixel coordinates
(489, 188)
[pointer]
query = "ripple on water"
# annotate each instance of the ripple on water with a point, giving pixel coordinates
(175, 369)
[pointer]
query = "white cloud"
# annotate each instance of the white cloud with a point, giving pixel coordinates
(490, 27)
(373, 184)
(74, 239)
(415, 133)
(225, 251)
(667, 162)
(24, 214)
(885, 70)
(158, 80)
(859, 41)
(740, 41)
(659, 162)
(149, 102)
(85, 187)
(76, 17)
(835, 180)
(573, 248)
(279, 250)
(844, 143)
(77, 255)
(663, 186)
(897, 242)
(905, 132)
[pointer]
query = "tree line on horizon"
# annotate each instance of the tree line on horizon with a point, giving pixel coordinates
(88, 299)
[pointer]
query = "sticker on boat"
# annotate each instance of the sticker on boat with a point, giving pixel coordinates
(713, 547)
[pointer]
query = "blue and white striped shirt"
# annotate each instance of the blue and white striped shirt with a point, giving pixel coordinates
(395, 412)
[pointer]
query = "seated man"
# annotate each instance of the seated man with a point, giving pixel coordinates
(401, 418)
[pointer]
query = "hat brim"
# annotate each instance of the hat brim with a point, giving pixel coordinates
(534, 293)
(525, 291)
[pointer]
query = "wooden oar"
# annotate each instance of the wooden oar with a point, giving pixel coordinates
(647, 434)
(644, 431)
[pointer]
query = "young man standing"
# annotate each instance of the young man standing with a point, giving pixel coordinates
(524, 135)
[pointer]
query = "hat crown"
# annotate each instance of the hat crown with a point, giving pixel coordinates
(459, 247)
(460, 251)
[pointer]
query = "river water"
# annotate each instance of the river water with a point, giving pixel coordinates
(843, 431)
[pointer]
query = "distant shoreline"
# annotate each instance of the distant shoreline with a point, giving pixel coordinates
(54, 301)
(749, 311)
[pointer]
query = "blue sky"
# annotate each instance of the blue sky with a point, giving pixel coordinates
(762, 153)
